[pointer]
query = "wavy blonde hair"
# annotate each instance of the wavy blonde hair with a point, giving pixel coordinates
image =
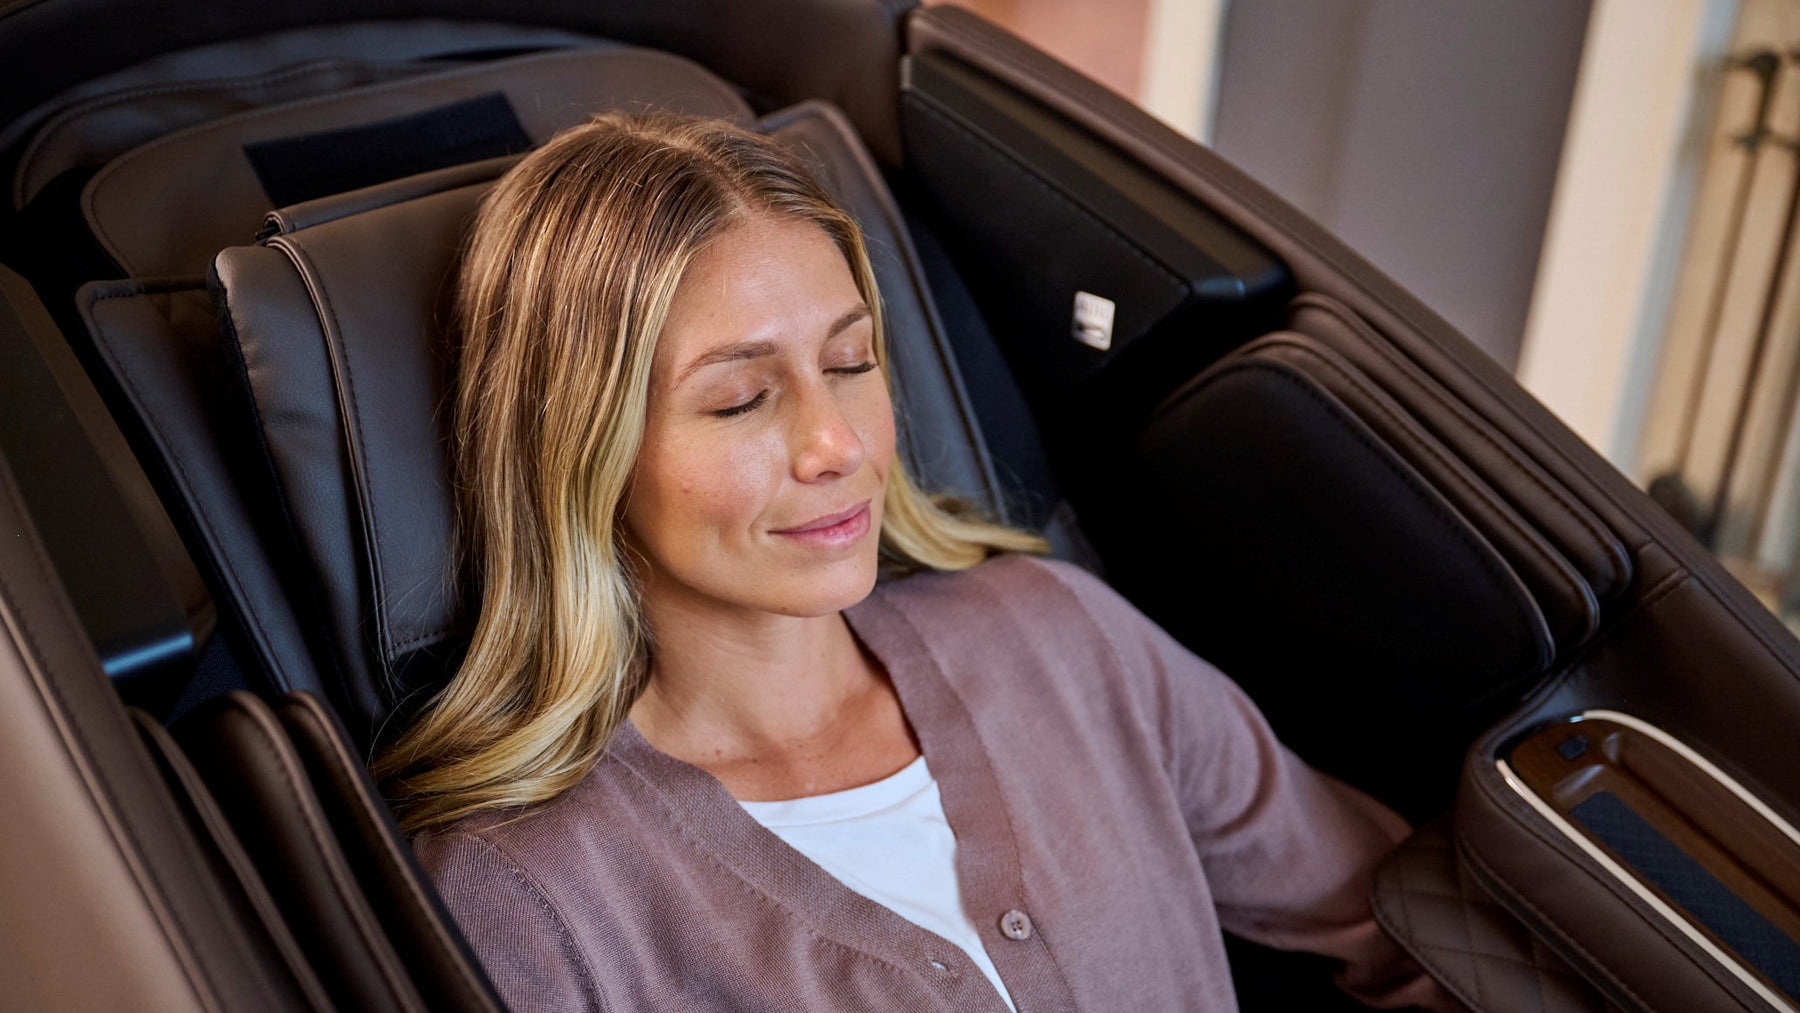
(566, 280)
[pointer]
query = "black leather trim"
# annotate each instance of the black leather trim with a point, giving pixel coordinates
(1551, 507)
(447, 974)
(181, 393)
(314, 514)
(262, 787)
(1564, 597)
(1263, 523)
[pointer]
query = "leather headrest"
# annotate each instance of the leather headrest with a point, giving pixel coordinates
(337, 320)
(166, 207)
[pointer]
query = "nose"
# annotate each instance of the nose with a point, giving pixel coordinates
(823, 440)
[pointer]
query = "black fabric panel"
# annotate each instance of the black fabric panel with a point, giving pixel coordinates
(1266, 527)
(1685, 881)
(1006, 421)
(296, 169)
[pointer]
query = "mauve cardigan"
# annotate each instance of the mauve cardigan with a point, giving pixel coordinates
(1103, 781)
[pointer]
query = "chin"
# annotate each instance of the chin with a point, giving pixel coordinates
(829, 590)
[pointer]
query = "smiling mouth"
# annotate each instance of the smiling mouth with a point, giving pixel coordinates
(829, 522)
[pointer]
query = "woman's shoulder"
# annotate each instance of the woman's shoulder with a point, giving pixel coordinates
(524, 844)
(1029, 590)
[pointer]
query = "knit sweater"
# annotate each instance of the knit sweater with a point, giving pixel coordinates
(1116, 801)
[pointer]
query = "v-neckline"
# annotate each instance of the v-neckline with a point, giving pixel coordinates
(987, 862)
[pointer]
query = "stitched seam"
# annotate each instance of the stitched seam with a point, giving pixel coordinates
(698, 844)
(1474, 965)
(1488, 876)
(1025, 171)
(220, 556)
(1269, 213)
(1499, 958)
(235, 361)
(12, 618)
(350, 415)
(1405, 428)
(325, 842)
(91, 192)
(102, 102)
(425, 639)
(1398, 923)
(348, 786)
(1662, 589)
(544, 901)
(1484, 554)
(1427, 384)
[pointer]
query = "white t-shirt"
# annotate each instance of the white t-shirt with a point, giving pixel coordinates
(890, 842)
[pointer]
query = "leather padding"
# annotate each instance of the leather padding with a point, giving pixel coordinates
(263, 924)
(1564, 597)
(283, 368)
(1682, 662)
(1550, 507)
(1431, 906)
(447, 975)
(262, 786)
(160, 341)
(1371, 621)
(165, 207)
(1318, 261)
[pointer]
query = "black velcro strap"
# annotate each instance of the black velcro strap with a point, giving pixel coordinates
(1674, 872)
(295, 169)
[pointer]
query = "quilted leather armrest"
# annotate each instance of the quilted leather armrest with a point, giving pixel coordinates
(1427, 901)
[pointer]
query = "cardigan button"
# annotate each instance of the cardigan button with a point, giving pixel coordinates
(1015, 925)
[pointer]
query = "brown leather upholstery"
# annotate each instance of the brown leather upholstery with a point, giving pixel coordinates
(1678, 642)
(265, 928)
(166, 207)
(1566, 602)
(263, 789)
(771, 48)
(109, 903)
(160, 340)
(1685, 661)
(1319, 262)
(1430, 904)
(447, 975)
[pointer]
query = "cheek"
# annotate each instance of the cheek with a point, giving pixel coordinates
(690, 490)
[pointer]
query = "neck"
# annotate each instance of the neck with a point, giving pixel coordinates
(728, 686)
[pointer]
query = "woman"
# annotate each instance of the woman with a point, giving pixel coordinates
(697, 760)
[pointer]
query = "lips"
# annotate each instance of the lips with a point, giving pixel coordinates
(825, 522)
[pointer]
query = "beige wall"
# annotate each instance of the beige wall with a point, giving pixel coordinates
(1425, 134)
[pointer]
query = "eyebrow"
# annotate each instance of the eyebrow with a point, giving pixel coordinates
(739, 351)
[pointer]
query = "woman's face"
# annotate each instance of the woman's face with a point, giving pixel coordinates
(766, 449)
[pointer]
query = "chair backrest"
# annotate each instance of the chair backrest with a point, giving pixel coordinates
(336, 322)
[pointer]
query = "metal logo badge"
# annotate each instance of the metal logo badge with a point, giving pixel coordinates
(1093, 320)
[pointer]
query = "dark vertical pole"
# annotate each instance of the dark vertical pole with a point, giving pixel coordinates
(1759, 350)
(1671, 489)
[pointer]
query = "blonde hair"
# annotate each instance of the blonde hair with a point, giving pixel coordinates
(565, 283)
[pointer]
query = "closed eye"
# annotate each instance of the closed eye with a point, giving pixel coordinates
(863, 367)
(740, 409)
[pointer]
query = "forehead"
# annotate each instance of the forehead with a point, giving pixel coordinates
(766, 279)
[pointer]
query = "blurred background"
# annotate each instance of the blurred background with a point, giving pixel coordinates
(1602, 194)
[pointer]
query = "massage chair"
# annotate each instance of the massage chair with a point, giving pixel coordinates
(225, 521)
